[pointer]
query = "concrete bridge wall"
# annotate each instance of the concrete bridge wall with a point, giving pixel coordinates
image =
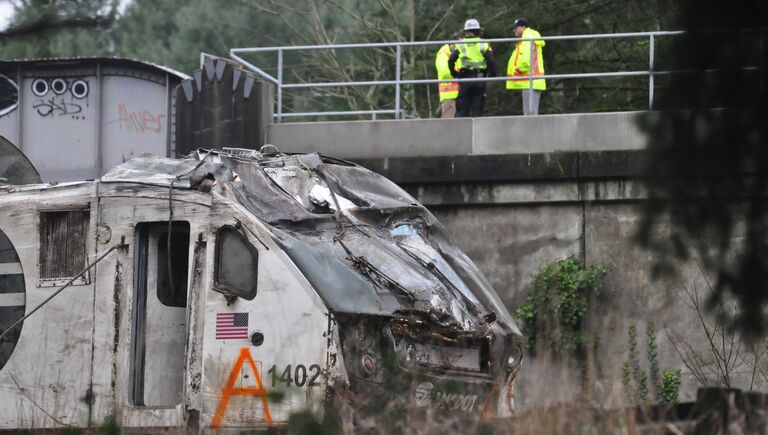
(463, 136)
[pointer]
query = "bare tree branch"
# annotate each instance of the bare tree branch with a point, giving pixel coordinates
(724, 355)
(440, 20)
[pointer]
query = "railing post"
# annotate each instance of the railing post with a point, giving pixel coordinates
(650, 70)
(279, 86)
(530, 66)
(397, 82)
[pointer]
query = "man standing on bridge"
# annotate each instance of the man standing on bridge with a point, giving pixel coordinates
(449, 90)
(476, 61)
(527, 57)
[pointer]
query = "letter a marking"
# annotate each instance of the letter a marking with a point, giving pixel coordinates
(229, 390)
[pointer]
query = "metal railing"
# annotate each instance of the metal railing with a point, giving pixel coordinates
(398, 82)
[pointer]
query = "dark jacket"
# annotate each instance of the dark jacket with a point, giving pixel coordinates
(490, 62)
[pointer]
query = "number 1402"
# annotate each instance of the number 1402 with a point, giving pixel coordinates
(299, 376)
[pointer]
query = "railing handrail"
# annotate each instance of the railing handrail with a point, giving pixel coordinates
(236, 53)
(421, 43)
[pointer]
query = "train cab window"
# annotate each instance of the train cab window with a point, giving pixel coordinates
(236, 263)
(172, 287)
(62, 243)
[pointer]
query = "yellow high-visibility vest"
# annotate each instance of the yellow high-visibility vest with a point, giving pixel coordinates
(519, 65)
(472, 54)
(448, 91)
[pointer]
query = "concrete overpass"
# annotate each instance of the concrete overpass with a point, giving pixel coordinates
(462, 136)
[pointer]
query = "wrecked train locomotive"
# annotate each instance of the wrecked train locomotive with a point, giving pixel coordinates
(232, 288)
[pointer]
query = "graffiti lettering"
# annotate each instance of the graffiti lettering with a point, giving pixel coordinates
(229, 390)
(139, 121)
(53, 108)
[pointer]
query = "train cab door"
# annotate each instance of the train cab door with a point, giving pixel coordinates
(147, 287)
(158, 330)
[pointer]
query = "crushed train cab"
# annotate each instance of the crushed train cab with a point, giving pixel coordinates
(232, 288)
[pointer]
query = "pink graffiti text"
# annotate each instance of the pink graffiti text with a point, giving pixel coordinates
(139, 120)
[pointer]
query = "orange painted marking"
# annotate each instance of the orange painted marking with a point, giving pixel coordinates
(488, 403)
(229, 390)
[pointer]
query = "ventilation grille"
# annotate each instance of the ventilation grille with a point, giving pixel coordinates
(62, 243)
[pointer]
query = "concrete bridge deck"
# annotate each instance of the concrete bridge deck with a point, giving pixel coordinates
(462, 136)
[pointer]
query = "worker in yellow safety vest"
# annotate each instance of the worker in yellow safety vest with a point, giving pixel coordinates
(474, 59)
(524, 60)
(448, 90)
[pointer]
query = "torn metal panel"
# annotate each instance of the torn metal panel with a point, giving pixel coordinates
(160, 171)
(356, 295)
(371, 228)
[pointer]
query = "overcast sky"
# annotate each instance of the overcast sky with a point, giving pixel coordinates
(6, 10)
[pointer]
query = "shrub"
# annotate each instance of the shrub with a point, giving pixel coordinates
(557, 305)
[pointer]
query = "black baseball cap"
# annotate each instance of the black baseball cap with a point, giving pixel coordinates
(520, 21)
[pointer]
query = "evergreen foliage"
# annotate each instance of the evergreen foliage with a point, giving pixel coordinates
(174, 32)
(59, 28)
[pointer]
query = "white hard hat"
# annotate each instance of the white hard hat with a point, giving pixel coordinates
(472, 24)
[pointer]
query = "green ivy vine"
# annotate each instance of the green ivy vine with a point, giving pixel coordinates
(665, 383)
(557, 304)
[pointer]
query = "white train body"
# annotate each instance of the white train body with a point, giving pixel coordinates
(256, 314)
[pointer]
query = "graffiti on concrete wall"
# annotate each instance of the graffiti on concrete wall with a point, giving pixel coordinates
(53, 107)
(60, 97)
(138, 120)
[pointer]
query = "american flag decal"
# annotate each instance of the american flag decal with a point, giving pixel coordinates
(231, 326)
